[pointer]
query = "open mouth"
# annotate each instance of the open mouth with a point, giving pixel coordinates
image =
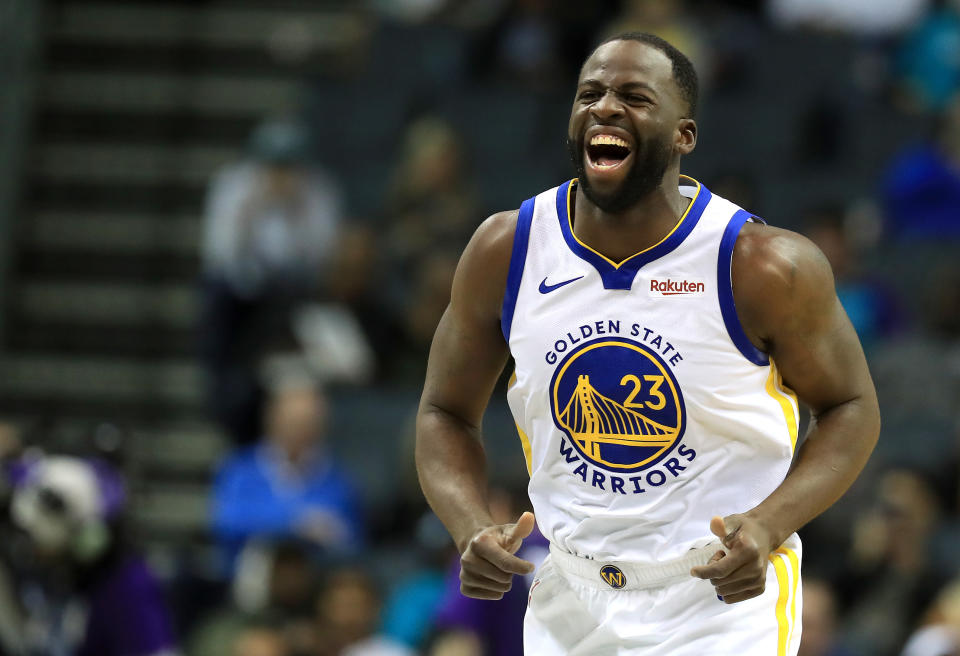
(606, 151)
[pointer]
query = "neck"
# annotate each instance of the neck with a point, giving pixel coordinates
(619, 235)
(295, 459)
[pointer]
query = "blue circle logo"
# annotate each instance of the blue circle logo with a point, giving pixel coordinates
(613, 576)
(619, 404)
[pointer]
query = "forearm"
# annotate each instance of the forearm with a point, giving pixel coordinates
(828, 462)
(452, 467)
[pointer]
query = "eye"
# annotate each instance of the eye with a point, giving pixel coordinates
(636, 99)
(588, 95)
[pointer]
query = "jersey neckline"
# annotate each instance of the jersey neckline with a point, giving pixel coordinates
(621, 275)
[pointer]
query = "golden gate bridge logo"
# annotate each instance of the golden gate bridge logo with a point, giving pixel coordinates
(625, 434)
(593, 419)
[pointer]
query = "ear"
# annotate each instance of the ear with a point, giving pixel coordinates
(686, 135)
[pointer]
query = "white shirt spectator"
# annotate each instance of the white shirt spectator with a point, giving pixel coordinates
(266, 223)
(873, 17)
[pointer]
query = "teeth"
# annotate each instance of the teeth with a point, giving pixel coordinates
(608, 140)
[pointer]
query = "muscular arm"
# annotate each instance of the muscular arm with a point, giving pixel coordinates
(785, 297)
(785, 288)
(466, 359)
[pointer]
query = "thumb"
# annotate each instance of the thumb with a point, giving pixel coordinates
(519, 531)
(726, 529)
(718, 528)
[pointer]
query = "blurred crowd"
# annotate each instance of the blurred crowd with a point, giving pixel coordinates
(302, 292)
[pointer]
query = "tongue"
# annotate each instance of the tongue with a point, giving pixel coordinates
(608, 161)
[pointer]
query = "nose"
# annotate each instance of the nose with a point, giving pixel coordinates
(608, 105)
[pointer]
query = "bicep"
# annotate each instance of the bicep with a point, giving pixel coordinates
(811, 339)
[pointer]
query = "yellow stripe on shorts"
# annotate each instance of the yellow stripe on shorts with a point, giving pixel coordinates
(788, 595)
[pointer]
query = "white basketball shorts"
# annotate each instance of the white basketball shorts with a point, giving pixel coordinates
(581, 607)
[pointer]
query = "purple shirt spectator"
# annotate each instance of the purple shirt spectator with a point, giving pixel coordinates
(127, 614)
(498, 624)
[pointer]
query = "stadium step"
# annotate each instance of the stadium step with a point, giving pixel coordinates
(135, 106)
(97, 233)
(115, 303)
(122, 163)
(105, 378)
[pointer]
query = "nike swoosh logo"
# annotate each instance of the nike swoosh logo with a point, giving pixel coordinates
(546, 289)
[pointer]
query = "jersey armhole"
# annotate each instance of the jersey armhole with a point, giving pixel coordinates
(728, 308)
(518, 258)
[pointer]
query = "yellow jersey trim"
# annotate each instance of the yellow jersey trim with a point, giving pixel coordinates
(524, 440)
(615, 265)
(787, 400)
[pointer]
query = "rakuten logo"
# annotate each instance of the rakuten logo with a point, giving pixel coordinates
(671, 287)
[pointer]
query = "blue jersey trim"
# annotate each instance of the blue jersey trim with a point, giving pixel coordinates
(725, 291)
(621, 276)
(521, 237)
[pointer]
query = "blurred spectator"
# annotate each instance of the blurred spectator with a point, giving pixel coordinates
(868, 302)
(889, 579)
(933, 641)
(928, 64)
(289, 485)
(498, 626)
(348, 612)
(431, 212)
(271, 225)
(363, 286)
(274, 583)
(10, 442)
(864, 17)
(428, 299)
(456, 643)
(940, 633)
(669, 20)
(921, 187)
(409, 610)
(410, 11)
(70, 510)
(272, 220)
(431, 206)
(819, 637)
(259, 640)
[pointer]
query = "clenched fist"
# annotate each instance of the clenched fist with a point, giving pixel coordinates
(487, 565)
(740, 571)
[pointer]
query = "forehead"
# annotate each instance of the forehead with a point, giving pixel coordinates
(619, 62)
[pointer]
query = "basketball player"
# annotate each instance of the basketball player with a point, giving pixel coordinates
(662, 337)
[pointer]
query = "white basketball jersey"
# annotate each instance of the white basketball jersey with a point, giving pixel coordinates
(643, 408)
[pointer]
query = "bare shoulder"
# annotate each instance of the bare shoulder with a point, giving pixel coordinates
(778, 276)
(481, 277)
(494, 237)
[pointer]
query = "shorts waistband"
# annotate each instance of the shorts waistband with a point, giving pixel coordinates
(619, 575)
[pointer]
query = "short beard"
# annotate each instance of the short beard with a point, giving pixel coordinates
(650, 162)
